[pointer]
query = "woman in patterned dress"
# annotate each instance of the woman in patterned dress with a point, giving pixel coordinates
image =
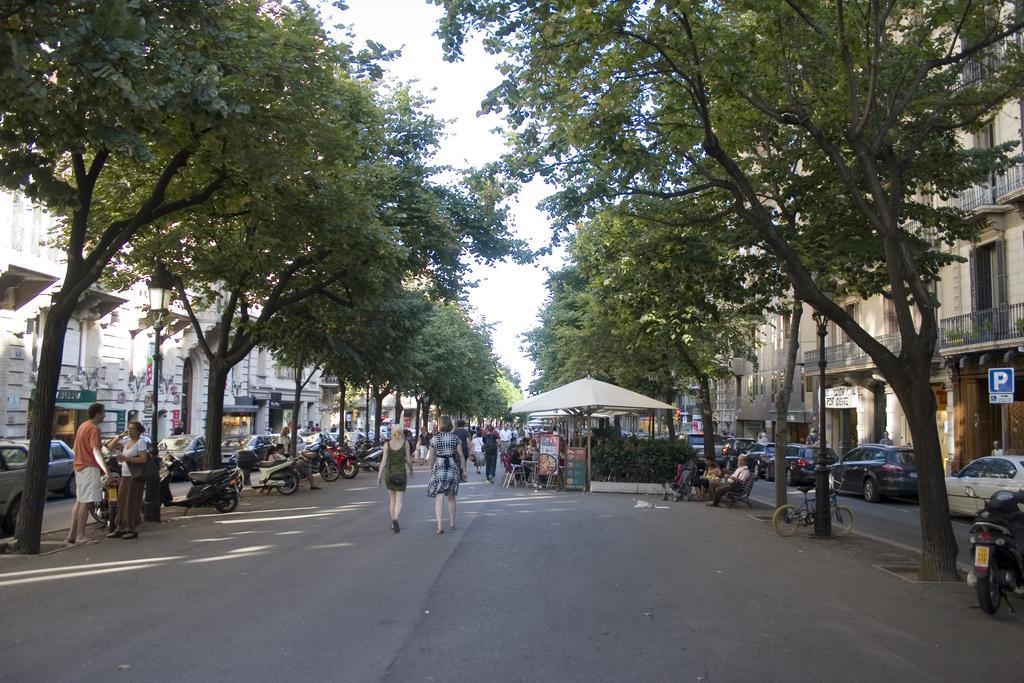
(396, 464)
(447, 463)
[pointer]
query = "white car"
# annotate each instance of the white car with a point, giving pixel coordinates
(969, 489)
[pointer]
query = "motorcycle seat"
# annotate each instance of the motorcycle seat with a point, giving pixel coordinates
(206, 476)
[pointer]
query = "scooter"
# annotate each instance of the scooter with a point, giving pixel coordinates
(321, 460)
(278, 475)
(105, 511)
(996, 536)
(369, 456)
(210, 488)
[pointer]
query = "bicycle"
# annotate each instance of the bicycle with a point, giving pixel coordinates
(788, 518)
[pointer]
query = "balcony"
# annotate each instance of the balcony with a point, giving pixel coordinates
(284, 373)
(975, 197)
(981, 327)
(849, 354)
(1011, 182)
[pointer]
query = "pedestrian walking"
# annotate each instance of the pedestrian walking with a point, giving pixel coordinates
(89, 464)
(477, 450)
(505, 437)
(812, 438)
(285, 438)
(490, 440)
(424, 444)
(462, 432)
(447, 462)
(396, 471)
(133, 452)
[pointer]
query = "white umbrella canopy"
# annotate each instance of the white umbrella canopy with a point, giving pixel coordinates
(587, 396)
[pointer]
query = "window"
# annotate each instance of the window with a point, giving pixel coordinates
(14, 457)
(975, 469)
(57, 453)
(1000, 468)
(856, 455)
(72, 344)
(988, 276)
(903, 458)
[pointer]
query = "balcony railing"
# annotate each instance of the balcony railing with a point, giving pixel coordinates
(284, 373)
(988, 325)
(842, 355)
(1010, 181)
(975, 196)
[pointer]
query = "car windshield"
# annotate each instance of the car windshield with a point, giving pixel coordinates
(231, 442)
(904, 457)
(176, 444)
(696, 439)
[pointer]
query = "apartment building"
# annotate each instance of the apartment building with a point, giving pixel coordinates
(981, 326)
(108, 351)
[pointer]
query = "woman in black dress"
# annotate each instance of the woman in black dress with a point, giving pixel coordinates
(447, 462)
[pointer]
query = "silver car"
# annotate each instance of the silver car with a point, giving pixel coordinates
(60, 476)
(969, 489)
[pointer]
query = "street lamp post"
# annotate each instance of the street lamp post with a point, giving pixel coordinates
(822, 517)
(161, 290)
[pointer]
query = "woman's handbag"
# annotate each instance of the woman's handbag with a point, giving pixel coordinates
(397, 479)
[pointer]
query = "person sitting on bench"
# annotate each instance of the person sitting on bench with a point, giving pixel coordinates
(734, 483)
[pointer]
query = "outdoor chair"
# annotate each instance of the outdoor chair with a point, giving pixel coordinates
(743, 496)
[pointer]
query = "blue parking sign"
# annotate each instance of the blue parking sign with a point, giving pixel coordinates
(1000, 381)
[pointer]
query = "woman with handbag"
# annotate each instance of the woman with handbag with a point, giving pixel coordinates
(133, 454)
(396, 468)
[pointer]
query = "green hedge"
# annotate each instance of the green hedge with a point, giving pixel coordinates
(632, 460)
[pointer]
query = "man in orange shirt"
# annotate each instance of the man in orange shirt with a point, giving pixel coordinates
(88, 465)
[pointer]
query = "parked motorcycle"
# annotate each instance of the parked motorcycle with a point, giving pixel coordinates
(319, 458)
(278, 475)
(210, 488)
(996, 537)
(345, 458)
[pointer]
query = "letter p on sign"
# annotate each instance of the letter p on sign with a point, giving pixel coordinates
(1000, 381)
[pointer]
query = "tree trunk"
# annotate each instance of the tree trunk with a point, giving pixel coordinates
(705, 415)
(378, 406)
(419, 405)
(670, 418)
(782, 399)
(215, 386)
(341, 405)
(399, 411)
(30, 514)
(938, 543)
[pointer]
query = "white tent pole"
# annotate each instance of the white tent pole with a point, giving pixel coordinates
(587, 488)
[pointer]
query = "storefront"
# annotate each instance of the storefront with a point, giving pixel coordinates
(71, 410)
(238, 419)
(980, 422)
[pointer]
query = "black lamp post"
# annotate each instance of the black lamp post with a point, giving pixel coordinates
(161, 291)
(822, 517)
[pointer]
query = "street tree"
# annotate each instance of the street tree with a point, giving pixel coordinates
(874, 96)
(115, 116)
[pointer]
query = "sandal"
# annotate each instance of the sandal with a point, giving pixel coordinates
(440, 531)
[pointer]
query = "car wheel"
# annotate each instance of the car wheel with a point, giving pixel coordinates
(70, 488)
(871, 493)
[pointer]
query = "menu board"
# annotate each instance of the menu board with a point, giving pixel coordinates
(576, 468)
(548, 444)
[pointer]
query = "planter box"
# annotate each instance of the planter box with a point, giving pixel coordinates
(625, 487)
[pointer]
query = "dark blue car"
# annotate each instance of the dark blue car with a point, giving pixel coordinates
(877, 470)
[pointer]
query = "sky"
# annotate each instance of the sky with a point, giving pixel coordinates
(508, 295)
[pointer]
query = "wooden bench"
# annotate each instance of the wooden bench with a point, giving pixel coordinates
(743, 496)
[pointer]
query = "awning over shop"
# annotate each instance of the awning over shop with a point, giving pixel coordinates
(240, 410)
(26, 284)
(73, 405)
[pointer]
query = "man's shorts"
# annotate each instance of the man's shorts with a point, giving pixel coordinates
(87, 485)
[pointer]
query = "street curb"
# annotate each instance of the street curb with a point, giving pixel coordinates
(874, 537)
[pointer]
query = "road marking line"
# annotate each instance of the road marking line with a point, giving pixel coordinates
(92, 566)
(72, 575)
(248, 512)
(274, 519)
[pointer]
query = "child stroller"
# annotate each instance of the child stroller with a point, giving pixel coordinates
(682, 485)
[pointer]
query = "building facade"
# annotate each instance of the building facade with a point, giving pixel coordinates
(108, 351)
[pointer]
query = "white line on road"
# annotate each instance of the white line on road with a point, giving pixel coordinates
(248, 512)
(503, 500)
(275, 519)
(51, 570)
(72, 575)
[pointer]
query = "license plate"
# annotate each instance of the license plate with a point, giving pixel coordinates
(981, 556)
(112, 495)
(913, 475)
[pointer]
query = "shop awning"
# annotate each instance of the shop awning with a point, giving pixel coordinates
(73, 405)
(240, 410)
(27, 284)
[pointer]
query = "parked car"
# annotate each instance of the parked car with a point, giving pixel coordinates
(876, 470)
(261, 445)
(229, 447)
(759, 458)
(189, 448)
(734, 447)
(60, 476)
(983, 478)
(696, 439)
(801, 460)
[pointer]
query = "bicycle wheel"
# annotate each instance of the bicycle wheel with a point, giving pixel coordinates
(787, 520)
(842, 520)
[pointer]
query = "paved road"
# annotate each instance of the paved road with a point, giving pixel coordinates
(531, 586)
(896, 520)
